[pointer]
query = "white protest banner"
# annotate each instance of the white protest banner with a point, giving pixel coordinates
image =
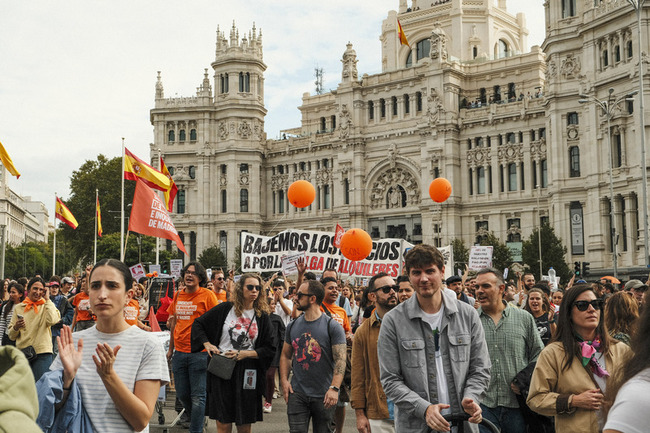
(175, 267)
(480, 257)
(289, 262)
(448, 255)
(264, 254)
(137, 271)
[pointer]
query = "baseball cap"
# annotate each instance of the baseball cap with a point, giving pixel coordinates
(67, 280)
(634, 284)
(453, 279)
(53, 283)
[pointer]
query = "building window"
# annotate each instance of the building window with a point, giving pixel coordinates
(243, 200)
(244, 82)
(544, 173)
(192, 134)
(479, 141)
(333, 121)
(568, 8)
(181, 135)
(617, 54)
(192, 172)
(522, 185)
(346, 191)
(393, 103)
(418, 101)
(482, 230)
(617, 150)
(323, 124)
(512, 93)
(542, 133)
(480, 180)
(496, 97)
(572, 118)
(281, 201)
(483, 95)
(192, 245)
(382, 107)
(474, 52)
(605, 59)
(502, 49)
(469, 144)
(514, 226)
(630, 107)
(371, 110)
(512, 177)
(510, 138)
(243, 168)
(471, 182)
(534, 170)
(574, 161)
(422, 48)
(180, 201)
(502, 185)
(407, 104)
(629, 49)
(224, 83)
(171, 136)
(489, 178)
(224, 201)
(326, 196)
(224, 169)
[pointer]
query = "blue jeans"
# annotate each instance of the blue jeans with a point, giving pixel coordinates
(189, 377)
(41, 364)
(301, 408)
(509, 420)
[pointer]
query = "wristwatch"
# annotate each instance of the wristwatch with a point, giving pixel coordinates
(335, 388)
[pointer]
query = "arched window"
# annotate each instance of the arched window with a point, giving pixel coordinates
(170, 170)
(181, 135)
(574, 161)
(409, 59)
(396, 197)
(422, 48)
(224, 83)
(171, 136)
(241, 82)
(192, 134)
(192, 172)
(474, 52)
(243, 200)
(247, 82)
(501, 49)
(568, 8)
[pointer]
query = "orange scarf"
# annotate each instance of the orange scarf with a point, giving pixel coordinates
(29, 304)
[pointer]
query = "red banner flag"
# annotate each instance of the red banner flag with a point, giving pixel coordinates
(338, 234)
(149, 216)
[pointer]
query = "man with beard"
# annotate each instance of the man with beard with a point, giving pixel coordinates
(190, 368)
(374, 412)
(526, 282)
(455, 283)
(433, 358)
(314, 347)
(219, 286)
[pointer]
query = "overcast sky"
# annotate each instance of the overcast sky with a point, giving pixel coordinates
(77, 75)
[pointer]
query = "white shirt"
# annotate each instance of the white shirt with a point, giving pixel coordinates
(236, 333)
(434, 321)
(286, 318)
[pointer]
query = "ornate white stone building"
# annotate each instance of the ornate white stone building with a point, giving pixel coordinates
(464, 102)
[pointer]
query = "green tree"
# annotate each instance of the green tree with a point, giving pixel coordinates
(108, 246)
(28, 259)
(501, 257)
(461, 254)
(237, 259)
(213, 257)
(553, 253)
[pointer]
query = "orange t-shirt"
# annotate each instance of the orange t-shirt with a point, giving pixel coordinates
(187, 307)
(339, 315)
(81, 304)
(131, 312)
(221, 296)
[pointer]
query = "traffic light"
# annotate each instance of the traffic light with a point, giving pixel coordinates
(585, 269)
(164, 265)
(577, 268)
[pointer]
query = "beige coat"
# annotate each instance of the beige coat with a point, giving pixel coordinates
(550, 382)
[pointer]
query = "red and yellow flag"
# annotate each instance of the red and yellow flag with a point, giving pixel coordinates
(170, 194)
(135, 168)
(401, 35)
(63, 213)
(7, 162)
(99, 219)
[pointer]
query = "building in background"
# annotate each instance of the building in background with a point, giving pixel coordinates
(465, 101)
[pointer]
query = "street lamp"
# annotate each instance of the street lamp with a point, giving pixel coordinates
(608, 106)
(638, 5)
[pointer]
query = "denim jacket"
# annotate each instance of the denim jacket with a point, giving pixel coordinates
(403, 354)
(72, 417)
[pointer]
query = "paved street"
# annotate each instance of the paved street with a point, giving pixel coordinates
(274, 422)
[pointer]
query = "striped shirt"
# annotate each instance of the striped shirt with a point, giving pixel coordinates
(141, 357)
(513, 343)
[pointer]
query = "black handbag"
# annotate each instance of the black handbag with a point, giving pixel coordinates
(29, 352)
(221, 366)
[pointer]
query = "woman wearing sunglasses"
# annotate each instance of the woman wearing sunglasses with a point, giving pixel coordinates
(239, 329)
(571, 374)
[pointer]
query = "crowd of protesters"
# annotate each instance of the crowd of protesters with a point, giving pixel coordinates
(404, 352)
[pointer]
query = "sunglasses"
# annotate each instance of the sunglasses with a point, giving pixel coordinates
(252, 287)
(387, 289)
(641, 289)
(300, 295)
(220, 278)
(584, 305)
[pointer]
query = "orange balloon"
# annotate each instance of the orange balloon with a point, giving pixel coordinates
(440, 190)
(301, 193)
(356, 244)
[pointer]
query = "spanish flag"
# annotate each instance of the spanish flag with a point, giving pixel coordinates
(170, 194)
(135, 168)
(401, 35)
(7, 162)
(64, 214)
(99, 219)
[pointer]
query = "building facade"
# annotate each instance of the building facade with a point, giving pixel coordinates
(465, 101)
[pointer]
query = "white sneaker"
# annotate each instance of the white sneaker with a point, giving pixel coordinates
(267, 408)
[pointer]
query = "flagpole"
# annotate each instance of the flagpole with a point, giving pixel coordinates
(125, 244)
(96, 200)
(158, 239)
(122, 246)
(54, 242)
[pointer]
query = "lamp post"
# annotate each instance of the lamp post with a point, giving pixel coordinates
(638, 5)
(608, 106)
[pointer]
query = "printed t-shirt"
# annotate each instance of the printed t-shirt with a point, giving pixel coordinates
(339, 314)
(221, 296)
(313, 361)
(187, 307)
(81, 304)
(234, 335)
(141, 357)
(131, 312)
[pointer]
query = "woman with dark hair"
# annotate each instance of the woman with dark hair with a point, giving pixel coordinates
(120, 372)
(31, 326)
(629, 390)
(621, 314)
(571, 374)
(538, 305)
(239, 329)
(16, 296)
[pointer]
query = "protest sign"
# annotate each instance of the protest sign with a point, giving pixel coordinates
(480, 257)
(175, 267)
(137, 271)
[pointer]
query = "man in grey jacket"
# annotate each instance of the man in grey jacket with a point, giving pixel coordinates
(433, 358)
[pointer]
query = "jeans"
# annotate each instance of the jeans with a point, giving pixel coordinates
(41, 364)
(189, 377)
(509, 420)
(301, 408)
